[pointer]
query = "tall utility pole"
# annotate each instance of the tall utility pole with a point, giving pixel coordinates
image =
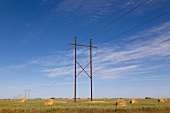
(27, 93)
(75, 60)
(83, 69)
(91, 68)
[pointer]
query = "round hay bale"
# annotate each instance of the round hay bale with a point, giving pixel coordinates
(161, 100)
(120, 102)
(133, 101)
(48, 102)
(22, 100)
(165, 99)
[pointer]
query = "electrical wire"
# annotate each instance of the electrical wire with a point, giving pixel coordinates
(108, 26)
(131, 41)
(136, 27)
(132, 29)
(105, 28)
(52, 68)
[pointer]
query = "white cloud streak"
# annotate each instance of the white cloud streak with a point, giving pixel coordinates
(95, 9)
(59, 71)
(139, 57)
(136, 55)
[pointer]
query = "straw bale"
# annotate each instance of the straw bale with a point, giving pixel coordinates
(161, 100)
(22, 100)
(48, 102)
(120, 102)
(133, 101)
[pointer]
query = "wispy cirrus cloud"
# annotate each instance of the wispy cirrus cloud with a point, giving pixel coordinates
(84, 6)
(145, 55)
(95, 9)
(20, 66)
(45, 61)
(129, 60)
(138, 57)
(152, 77)
(92, 9)
(60, 71)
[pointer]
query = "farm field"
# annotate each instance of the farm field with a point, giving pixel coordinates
(84, 106)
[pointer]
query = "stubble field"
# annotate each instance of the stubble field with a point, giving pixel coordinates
(84, 106)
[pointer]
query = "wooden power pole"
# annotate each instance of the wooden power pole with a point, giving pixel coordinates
(83, 69)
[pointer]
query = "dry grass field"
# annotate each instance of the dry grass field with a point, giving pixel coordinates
(85, 106)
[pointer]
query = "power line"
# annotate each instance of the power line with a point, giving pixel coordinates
(132, 28)
(111, 48)
(115, 37)
(60, 73)
(104, 28)
(65, 68)
(136, 27)
(66, 50)
(56, 75)
(53, 67)
(127, 41)
(133, 40)
(114, 21)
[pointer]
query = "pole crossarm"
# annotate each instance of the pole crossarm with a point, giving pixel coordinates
(83, 69)
(83, 45)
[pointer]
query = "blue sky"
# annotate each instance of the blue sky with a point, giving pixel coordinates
(132, 59)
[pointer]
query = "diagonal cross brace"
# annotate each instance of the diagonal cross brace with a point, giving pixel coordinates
(83, 69)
